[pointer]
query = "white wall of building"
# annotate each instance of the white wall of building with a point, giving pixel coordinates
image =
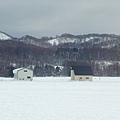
(23, 74)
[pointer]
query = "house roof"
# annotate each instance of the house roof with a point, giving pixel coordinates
(82, 70)
(18, 69)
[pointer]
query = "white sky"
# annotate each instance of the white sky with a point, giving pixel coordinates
(55, 17)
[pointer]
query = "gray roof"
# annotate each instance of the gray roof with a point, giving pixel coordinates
(82, 70)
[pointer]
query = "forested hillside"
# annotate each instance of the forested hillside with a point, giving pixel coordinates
(53, 56)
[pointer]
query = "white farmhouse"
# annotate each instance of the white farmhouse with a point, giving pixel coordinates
(23, 74)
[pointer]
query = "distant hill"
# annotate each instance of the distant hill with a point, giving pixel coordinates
(68, 40)
(4, 36)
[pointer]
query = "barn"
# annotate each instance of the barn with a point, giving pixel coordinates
(23, 74)
(81, 73)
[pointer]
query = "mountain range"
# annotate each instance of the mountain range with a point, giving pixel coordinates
(86, 40)
(51, 56)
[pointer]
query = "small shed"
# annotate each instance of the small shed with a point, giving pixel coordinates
(23, 74)
(82, 73)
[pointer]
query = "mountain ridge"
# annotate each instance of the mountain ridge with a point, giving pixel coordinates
(94, 39)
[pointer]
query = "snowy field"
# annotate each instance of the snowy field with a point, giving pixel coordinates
(59, 98)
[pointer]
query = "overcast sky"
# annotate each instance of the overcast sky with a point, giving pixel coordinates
(55, 17)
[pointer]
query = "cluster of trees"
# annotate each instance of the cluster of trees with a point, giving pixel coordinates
(46, 62)
(77, 54)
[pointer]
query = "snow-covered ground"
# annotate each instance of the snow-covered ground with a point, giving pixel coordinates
(59, 98)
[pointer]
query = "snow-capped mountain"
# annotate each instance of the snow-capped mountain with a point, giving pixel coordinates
(68, 40)
(4, 36)
(59, 40)
(88, 40)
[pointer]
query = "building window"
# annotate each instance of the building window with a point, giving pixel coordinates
(28, 77)
(87, 77)
(25, 70)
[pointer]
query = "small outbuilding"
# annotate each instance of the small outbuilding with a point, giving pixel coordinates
(82, 73)
(23, 74)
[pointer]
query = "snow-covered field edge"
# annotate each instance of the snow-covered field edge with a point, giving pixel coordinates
(62, 79)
